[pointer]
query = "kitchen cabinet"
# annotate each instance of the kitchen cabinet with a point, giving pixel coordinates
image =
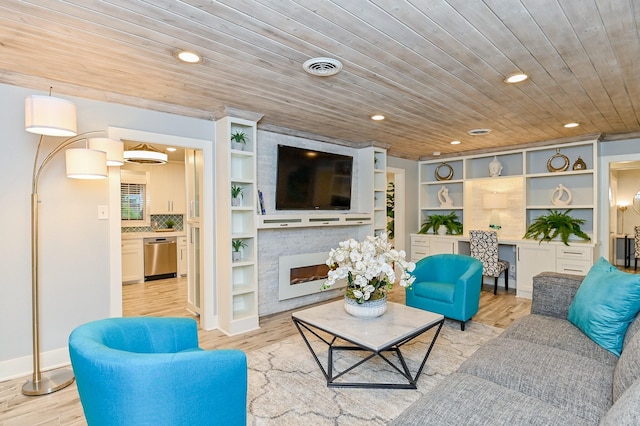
(132, 260)
(182, 256)
(168, 188)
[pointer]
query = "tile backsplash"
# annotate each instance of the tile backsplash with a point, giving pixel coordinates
(159, 221)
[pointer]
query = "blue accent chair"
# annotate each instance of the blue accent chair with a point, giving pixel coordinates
(448, 284)
(150, 371)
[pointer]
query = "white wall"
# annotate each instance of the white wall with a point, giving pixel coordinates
(74, 251)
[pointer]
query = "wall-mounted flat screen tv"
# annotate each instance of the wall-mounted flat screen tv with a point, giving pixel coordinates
(313, 180)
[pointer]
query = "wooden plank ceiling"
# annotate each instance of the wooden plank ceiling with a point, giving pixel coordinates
(434, 68)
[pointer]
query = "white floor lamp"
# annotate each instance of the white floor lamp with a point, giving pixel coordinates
(48, 116)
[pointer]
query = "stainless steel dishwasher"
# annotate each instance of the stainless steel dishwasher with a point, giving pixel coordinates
(160, 258)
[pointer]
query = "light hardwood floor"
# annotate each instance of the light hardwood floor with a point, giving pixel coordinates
(168, 298)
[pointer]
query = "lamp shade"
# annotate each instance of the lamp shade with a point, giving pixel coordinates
(114, 150)
(495, 200)
(46, 115)
(85, 163)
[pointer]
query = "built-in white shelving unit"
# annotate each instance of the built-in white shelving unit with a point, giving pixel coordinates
(526, 178)
(530, 187)
(372, 171)
(236, 281)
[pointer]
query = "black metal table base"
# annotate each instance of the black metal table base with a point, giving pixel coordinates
(399, 365)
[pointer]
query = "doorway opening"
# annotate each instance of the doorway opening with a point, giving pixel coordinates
(395, 207)
(178, 288)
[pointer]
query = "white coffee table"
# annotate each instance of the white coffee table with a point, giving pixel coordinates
(386, 334)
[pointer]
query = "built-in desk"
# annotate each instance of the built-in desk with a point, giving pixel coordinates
(530, 257)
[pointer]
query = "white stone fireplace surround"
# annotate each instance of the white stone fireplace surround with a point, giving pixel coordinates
(288, 287)
(297, 244)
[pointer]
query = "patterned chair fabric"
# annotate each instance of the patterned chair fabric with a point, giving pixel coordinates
(636, 245)
(484, 247)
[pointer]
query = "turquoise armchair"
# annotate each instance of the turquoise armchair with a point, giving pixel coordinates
(150, 371)
(448, 284)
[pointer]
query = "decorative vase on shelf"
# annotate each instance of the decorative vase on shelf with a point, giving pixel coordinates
(495, 167)
(366, 309)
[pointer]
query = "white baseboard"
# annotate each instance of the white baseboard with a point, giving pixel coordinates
(23, 366)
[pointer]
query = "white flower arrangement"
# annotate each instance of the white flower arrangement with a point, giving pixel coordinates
(368, 267)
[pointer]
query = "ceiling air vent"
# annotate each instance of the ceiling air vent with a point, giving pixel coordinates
(322, 67)
(479, 132)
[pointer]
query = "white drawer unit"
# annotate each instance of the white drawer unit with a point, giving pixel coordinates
(574, 260)
(419, 247)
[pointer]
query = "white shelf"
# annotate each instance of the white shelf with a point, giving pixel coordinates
(313, 220)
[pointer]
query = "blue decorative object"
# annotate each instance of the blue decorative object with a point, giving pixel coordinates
(150, 371)
(448, 284)
(605, 304)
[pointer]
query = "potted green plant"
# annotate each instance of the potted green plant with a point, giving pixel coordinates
(236, 194)
(237, 245)
(556, 224)
(170, 224)
(238, 140)
(450, 222)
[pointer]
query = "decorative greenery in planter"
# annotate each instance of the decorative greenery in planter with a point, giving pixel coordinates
(237, 245)
(236, 191)
(170, 224)
(236, 194)
(239, 137)
(391, 202)
(449, 221)
(548, 227)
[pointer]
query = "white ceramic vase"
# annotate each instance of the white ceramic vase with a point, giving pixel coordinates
(366, 309)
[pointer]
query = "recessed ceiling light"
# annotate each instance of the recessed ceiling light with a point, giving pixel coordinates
(187, 56)
(436, 153)
(455, 142)
(377, 117)
(479, 132)
(171, 149)
(571, 125)
(516, 77)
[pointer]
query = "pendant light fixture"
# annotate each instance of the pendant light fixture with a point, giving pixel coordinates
(145, 154)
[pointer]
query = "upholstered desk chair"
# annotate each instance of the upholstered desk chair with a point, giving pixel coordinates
(636, 247)
(484, 247)
(150, 371)
(448, 284)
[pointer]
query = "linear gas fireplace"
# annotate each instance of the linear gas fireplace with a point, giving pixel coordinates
(302, 274)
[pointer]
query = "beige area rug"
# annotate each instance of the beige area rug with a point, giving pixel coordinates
(286, 386)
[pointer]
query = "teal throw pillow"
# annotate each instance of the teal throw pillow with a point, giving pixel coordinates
(605, 304)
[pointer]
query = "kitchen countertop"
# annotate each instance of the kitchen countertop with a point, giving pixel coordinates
(136, 235)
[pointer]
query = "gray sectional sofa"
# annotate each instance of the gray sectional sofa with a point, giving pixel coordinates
(542, 370)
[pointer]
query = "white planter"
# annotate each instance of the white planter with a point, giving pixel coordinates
(236, 256)
(235, 202)
(366, 309)
(237, 145)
